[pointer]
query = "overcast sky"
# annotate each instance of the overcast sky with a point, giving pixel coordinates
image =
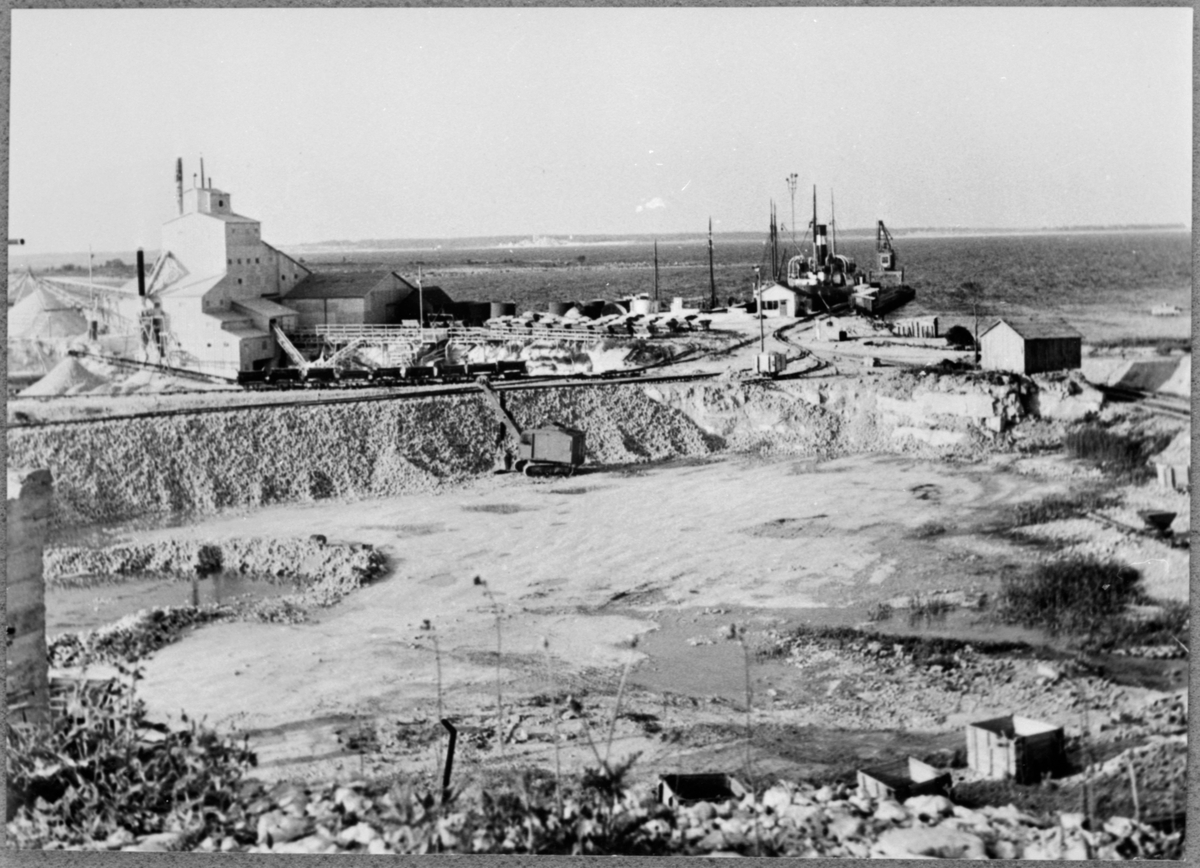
(417, 123)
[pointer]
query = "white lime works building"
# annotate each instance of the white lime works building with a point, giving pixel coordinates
(211, 301)
(1030, 346)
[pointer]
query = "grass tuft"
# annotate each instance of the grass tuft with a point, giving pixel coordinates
(1077, 594)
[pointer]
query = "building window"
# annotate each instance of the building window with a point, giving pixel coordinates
(256, 260)
(264, 345)
(239, 281)
(221, 203)
(229, 261)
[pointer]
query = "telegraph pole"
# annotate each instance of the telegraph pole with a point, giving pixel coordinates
(712, 278)
(762, 334)
(420, 304)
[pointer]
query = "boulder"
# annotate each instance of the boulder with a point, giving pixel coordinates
(934, 842)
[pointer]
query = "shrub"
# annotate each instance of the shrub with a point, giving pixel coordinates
(1075, 594)
(1115, 453)
(881, 611)
(101, 767)
(960, 337)
(1056, 507)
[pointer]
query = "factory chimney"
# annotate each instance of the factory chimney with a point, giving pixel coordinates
(141, 269)
(202, 184)
(179, 183)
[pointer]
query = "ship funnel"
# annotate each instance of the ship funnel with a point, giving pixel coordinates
(141, 270)
(820, 245)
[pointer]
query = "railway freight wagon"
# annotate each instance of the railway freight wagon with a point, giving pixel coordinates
(1015, 747)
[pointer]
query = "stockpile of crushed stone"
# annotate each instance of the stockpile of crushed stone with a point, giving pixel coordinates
(121, 469)
(622, 424)
(68, 377)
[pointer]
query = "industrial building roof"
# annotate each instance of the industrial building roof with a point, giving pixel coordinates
(263, 307)
(246, 333)
(1034, 328)
(338, 284)
(193, 287)
(225, 316)
(227, 218)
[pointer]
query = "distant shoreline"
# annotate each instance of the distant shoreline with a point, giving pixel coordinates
(18, 261)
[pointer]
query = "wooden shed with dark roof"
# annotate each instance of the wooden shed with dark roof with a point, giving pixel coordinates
(1030, 346)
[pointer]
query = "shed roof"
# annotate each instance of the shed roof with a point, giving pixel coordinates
(263, 307)
(338, 284)
(1035, 328)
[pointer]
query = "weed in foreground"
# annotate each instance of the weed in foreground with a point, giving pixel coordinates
(1118, 454)
(1077, 594)
(479, 582)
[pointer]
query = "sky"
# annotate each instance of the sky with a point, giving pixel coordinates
(361, 124)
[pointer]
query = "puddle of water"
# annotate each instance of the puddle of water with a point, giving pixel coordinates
(69, 609)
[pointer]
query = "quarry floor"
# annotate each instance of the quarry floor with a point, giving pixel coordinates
(673, 554)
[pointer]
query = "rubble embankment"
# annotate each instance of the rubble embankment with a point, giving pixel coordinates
(788, 820)
(301, 562)
(320, 574)
(117, 470)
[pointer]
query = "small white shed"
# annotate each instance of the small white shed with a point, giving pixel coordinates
(1030, 346)
(779, 300)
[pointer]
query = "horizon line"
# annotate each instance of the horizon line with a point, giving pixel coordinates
(501, 240)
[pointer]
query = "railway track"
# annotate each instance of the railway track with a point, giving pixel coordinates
(394, 394)
(1164, 405)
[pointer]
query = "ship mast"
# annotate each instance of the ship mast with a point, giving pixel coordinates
(816, 265)
(656, 269)
(832, 226)
(774, 245)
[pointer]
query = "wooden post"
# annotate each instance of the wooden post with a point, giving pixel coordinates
(27, 683)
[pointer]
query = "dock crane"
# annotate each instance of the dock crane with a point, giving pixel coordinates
(553, 450)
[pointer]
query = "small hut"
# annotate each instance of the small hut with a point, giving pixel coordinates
(903, 779)
(1173, 464)
(1015, 747)
(1030, 346)
(682, 790)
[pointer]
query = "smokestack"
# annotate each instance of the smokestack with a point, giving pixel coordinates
(179, 183)
(141, 267)
(820, 245)
(202, 184)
